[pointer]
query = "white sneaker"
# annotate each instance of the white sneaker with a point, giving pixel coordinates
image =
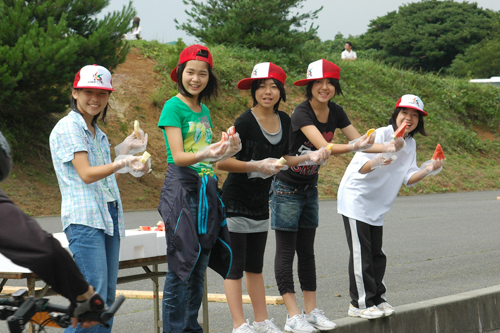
(318, 319)
(267, 326)
(298, 324)
(387, 308)
(245, 328)
(369, 313)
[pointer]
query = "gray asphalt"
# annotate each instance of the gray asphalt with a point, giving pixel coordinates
(437, 245)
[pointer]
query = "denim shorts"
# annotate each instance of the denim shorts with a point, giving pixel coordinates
(293, 207)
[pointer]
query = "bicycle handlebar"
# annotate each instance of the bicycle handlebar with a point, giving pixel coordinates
(19, 309)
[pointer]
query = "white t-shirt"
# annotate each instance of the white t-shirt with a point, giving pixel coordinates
(367, 197)
(348, 55)
(135, 33)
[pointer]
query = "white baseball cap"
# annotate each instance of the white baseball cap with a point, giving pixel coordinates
(93, 77)
(321, 69)
(412, 102)
(264, 70)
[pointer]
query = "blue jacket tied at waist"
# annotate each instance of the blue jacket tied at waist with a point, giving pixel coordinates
(188, 235)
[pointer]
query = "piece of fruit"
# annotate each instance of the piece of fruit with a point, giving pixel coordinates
(438, 153)
(329, 147)
(231, 130)
(145, 228)
(136, 128)
(161, 224)
(282, 161)
(400, 132)
(145, 157)
(370, 131)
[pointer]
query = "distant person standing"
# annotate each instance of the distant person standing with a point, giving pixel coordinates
(348, 54)
(135, 33)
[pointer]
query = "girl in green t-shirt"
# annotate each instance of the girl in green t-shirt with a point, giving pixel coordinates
(187, 129)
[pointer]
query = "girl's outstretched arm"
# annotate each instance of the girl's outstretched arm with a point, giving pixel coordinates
(181, 158)
(425, 170)
(213, 152)
(87, 173)
(90, 174)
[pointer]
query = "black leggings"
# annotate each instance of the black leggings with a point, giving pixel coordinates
(248, 253)
(287, 243)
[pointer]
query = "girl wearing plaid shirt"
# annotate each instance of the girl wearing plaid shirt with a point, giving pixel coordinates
(91, 210)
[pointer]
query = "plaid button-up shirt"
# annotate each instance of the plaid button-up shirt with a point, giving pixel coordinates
(82, 203)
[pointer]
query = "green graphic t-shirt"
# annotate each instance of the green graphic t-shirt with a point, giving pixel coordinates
(196, 128)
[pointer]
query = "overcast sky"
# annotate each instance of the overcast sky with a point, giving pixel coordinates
(349, 17)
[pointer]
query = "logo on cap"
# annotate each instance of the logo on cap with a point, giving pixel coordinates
(97, 78)
(310, 73)
(254, 73)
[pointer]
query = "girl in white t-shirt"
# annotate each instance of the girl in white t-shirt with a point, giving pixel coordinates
(367, 191)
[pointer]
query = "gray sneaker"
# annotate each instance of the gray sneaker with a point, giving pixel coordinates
(318, 319)
(267, 326)
(298, 324)
(245, 328)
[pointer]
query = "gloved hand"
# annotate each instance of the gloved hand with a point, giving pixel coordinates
(380, 160)
(318, 157)
(94, 304)
(131, 164)
(264, 168)
(234, 144)
(132, 144)
(215, 151)
(432, 167)
(394, 146)
(362, 143)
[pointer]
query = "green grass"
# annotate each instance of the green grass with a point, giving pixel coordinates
(457, 109)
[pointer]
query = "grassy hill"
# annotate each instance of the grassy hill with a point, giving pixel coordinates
(464, 118)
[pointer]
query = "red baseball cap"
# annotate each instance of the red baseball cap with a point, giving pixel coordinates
(412, 102)
(93, 77)
(193, 52)
(264, 70)
(320, 69)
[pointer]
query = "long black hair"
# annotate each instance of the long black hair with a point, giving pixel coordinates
(256, 85)
(211, 90)
(74, 107)
(334, 82)
(420, 127)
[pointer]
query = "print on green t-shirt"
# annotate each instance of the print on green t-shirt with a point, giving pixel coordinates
(196, 128)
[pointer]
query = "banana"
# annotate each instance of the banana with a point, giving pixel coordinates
(282, 161)
(136, 128)
(145, 157)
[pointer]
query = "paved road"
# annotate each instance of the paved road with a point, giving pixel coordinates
(437, 245)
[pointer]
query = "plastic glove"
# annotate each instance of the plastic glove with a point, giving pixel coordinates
(215, 151)
(132, 144)
(381, 160)
(264, 168)
(318, 157)
(234, 143)
(132, 165)
(362, 143)
(394, 145)
(432, 167)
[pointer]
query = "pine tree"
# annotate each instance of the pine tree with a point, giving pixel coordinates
(266, 25)
(43, 44)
